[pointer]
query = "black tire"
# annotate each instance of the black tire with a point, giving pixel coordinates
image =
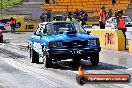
(94, 58)
(1, 40)
(34, 56)
(46, 60)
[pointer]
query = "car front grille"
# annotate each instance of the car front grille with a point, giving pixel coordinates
(76, 43)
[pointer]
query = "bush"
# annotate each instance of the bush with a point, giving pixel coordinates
(6, 3)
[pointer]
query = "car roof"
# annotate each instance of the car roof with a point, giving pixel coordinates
(57, 22)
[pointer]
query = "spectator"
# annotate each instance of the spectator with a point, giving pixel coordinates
(86, 16)
(69, 14)
(42, 17)
(110, 13)
(102, 19)
(69, 18)
(12, 23)
(76, 13)
(81, 12)
(48, 16)
(121, 24)
(116, 13)
(73, 18)
(83, 20)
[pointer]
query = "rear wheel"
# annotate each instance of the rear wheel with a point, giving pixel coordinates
(94, 58)
(34, 56)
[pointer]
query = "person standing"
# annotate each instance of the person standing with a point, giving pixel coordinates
(102, 19)
(110, 13)
(69, 18)
(76, 13)
(121, 24)
(42, 17)
(12, 23)
(83, 20)
(116, 13)
(48, 16)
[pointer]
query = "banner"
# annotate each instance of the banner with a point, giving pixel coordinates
(21, 25)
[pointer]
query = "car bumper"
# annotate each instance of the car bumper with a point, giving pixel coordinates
(71, 53)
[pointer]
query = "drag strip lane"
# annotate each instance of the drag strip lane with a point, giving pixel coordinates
(63, 73)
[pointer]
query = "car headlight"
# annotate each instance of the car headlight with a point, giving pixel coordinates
(93, 42)
(55, 44)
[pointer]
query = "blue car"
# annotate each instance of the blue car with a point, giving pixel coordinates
(62, 40)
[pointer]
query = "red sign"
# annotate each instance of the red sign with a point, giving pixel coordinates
(109, 38)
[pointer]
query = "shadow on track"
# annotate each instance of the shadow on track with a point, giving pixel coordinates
(69, 65)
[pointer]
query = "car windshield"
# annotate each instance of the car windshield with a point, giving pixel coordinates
(127, 19)
(78, 27)
(60, 27)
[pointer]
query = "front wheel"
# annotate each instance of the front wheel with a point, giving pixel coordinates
(94, 58)
(1, 40)
(34, 56)
(47, 60)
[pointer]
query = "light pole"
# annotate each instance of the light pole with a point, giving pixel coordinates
(1, 8)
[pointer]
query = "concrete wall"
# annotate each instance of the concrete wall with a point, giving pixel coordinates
(110, 39)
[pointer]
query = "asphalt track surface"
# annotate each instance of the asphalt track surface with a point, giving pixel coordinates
(16, 70)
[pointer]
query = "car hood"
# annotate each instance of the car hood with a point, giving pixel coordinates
(71, 37)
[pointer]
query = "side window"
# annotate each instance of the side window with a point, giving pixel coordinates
(50, 29)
